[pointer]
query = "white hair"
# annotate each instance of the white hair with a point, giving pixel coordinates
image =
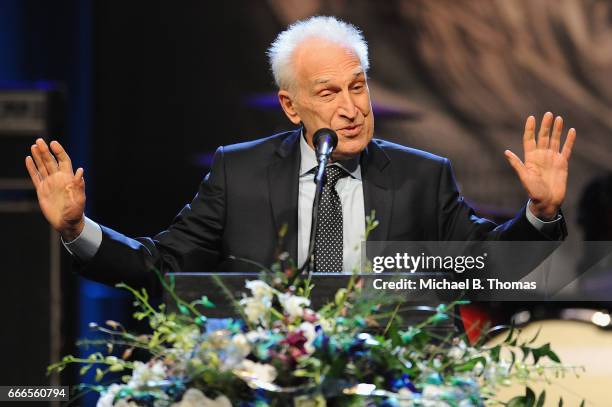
(331, 29)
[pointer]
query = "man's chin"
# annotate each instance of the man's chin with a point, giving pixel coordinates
(347, 152)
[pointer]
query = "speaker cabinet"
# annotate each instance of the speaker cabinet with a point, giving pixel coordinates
(32, 295)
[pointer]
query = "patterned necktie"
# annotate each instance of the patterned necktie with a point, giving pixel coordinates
(328, 240)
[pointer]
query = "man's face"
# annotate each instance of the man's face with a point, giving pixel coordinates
(330, 90)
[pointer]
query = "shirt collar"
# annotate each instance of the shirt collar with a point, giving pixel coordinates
(309, 161)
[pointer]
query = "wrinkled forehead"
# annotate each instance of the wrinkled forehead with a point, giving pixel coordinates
(318, 61)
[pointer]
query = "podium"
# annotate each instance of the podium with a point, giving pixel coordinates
(192, 286)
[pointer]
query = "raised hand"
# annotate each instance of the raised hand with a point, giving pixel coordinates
(544, 172)
(61, 193)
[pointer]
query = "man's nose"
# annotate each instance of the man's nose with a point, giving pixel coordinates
(347, 107)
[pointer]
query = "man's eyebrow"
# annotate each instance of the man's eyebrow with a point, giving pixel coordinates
(322, 81)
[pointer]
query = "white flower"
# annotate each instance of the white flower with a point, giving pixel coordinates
(106, 398)
(195, 398)
(432, 392)
(497, 372)
(235, 352)
(309, 331)
(406, 398)
(259, 289)
(292, 304)
(327, 324)
(254, 308)
(257, 335)
(241, 342)
(249, 370)
(455, 352)
(143, 372)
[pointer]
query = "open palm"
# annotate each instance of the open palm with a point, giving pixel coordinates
(61, 193)
(544, 171)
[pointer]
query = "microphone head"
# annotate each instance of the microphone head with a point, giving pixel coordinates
(324, 141)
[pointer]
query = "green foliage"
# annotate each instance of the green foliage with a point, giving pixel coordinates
(354, 350)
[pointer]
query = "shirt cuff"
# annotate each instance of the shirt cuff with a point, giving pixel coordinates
(546, 227)
(85, 246)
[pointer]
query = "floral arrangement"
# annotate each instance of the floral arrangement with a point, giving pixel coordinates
(353, 351)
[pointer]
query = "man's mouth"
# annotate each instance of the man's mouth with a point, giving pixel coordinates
(350, 131)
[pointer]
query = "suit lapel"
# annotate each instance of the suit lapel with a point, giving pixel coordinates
(377, 189)
(283, 183)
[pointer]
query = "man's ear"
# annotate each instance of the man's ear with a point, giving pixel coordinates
(288, 106)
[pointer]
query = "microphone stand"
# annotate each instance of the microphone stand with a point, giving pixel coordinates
(319, 177)
(325, 141)
(308, 265)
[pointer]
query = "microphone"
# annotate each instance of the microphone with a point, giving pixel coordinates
(324, 141)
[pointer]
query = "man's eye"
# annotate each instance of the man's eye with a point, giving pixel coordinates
(358, 87)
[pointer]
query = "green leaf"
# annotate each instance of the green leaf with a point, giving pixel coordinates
(541, 399)
(206, 302)
(470, 364)
(536, 335)
(99, 374)
(528, 400)
(530, 397)
(439, 317)
(340, 296)
(139, 315)
(510, 333)
(518, 401)
(409, 335)
(84, 369)
(495, 353)
(544, 350)
(553, 356)
(539, 352)
(145, 294)
(526, 350)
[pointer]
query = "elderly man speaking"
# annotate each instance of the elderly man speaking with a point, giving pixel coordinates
(320, 66)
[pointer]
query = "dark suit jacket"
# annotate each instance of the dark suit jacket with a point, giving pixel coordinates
(252, 190)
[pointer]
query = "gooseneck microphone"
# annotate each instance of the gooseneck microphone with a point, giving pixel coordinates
(324, 141)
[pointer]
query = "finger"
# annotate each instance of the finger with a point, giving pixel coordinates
(516, 164)
(529, 143)
(42, 170)
(78, 175)
(65, 164)
(47, 157)
(555, 140)
(31, 167)
(544, 134)
(569, 143)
